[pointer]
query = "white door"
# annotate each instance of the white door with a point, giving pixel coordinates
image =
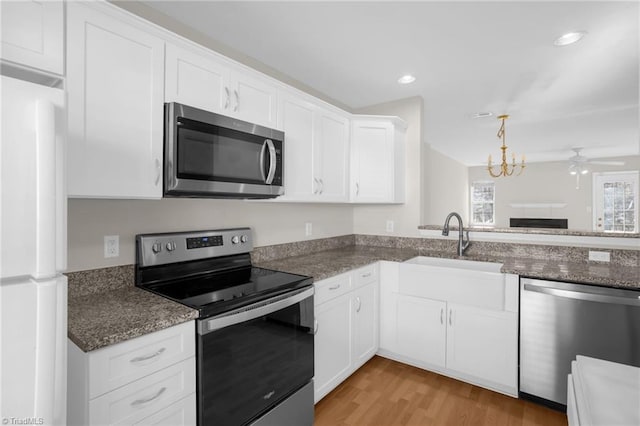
(253, 99)
(332, 342)
(421, 330)
(32, 33)
(331, 156)
(483, 343)
(297, 120)
(115, 80)
(615, 201)
(365, 322)
(196, 80)
(372, 159)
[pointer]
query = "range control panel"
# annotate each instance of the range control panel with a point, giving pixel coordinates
(160, 249)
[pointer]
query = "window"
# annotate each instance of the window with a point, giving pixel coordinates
(615, 198)
(482, 203)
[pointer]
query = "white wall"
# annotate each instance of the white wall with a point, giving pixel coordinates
(272, 223)
(372, 219)
(548, 182)
(447, 186)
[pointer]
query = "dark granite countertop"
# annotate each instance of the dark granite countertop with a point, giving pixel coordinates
(101, 319)
(325, 264)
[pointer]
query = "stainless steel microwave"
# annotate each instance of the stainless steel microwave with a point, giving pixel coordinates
(209, 155)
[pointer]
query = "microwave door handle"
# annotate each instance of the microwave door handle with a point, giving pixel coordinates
(272, 162)
(262, 151)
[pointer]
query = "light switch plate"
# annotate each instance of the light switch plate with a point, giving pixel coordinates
(390, 226)
(599, 256)
(308, 229)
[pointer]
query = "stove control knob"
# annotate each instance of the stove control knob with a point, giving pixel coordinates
(171, 246)
(244, 238)
(235, 239)
(156, 248)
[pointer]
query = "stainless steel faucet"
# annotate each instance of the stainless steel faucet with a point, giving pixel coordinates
(462, 244)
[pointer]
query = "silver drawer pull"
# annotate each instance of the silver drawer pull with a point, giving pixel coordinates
(368, 274)
(316, 325)
(151, 398)
(148, 357)
(335, 287)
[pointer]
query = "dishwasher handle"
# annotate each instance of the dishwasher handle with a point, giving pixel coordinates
(631, 300)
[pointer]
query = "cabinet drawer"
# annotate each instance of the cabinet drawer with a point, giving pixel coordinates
(122, 363)
(365, 275)
(182, 413)
(147, 396)
(332, 287)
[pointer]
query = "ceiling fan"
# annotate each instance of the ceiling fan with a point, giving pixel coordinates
(578, 164)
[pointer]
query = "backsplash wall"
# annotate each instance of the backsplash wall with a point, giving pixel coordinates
(272, 223)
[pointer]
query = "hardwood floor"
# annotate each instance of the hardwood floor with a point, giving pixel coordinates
(385, 393)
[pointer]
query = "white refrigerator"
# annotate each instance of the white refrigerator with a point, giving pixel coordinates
(33, 218)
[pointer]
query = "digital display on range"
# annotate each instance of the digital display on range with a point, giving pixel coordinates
(200, 242)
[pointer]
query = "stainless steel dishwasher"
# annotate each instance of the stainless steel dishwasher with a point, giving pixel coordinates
(560, 320)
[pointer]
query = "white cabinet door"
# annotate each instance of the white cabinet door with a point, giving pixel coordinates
(421, 329)
(253, 99)
(365, 322)
(32, 34)
(296, 118)
(372, 162)
(483, 343)
(333, 342)
(115, 83)
(331, 157)
(196, 79)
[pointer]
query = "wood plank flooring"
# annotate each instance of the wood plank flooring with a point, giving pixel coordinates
(385, 393)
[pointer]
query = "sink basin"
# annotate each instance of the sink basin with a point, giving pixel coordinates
(472, 265)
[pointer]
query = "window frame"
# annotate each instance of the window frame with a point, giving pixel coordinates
(472, 222)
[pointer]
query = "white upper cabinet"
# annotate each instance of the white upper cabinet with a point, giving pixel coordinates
(115, 86)
(377, 160)
(203, 79)
(32, 34)
(196, 79)
(316, 151)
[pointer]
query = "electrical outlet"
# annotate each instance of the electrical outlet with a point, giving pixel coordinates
(111, 246)
(599, 256)
(390, 225)
(308, 229)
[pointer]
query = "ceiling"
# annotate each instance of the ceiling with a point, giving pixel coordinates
(467, 57)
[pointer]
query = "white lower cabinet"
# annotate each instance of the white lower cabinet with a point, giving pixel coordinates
(460, 324)
(147, 380)
(346, 311)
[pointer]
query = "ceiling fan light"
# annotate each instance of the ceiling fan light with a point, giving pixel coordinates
(584, 171)
(573, 172)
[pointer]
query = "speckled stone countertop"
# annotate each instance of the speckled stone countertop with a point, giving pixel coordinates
(105, 312)
(325, 264)
(543, 231)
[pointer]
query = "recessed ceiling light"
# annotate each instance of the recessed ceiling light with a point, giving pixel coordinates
(569, 38)
(481, 114)
(406, 79)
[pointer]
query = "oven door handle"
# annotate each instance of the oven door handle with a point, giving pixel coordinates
(253, 311)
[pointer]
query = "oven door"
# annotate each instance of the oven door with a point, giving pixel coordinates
(212, 155)
(251, 359)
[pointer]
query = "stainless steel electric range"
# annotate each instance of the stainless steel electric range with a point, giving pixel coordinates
(254, 335)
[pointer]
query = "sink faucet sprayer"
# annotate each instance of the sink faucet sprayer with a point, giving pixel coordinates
(462, 244)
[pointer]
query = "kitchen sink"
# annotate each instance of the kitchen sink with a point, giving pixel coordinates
(472, 265)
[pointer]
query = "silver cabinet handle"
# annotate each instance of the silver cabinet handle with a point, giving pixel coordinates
(315, 326)
(321, 186)
(228, 101)
(272, 161)
(335, 287)
(158, 172)
(235, 92)
(148, 357)
(357, 188)
(317, 185)
(149, 399)
(368, 274)
(359, 304)
(450, 315)
(441, 315)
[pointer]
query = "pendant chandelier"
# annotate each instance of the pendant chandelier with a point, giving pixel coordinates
(505, 169)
